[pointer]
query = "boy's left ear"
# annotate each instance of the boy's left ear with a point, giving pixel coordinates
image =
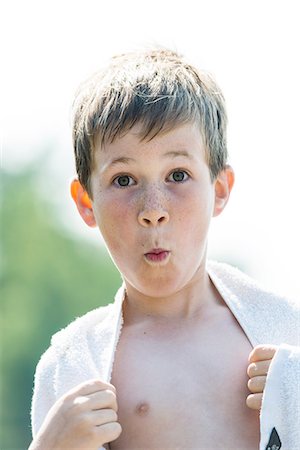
(83, 203)
(223, 186)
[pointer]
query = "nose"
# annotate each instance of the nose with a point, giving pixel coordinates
(152, 206)
(153, 217)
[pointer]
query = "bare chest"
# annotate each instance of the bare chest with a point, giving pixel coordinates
(185, 389)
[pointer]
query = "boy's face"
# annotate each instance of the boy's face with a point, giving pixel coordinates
(153, 202)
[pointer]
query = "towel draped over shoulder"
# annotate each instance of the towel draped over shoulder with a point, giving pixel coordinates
(85, 349)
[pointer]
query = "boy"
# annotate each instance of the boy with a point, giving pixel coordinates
(170, 363)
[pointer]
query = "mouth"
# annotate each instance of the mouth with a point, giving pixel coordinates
(157, 255)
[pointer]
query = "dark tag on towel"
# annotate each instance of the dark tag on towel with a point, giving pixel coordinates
(274, 441)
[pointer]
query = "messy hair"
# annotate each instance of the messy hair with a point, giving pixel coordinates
(157, 89)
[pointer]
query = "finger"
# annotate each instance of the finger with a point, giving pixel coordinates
(102, 416)
(90, 387)
(104, 399)
(262, 352)
(254, 401)
(257, 384)
(108, 432)
(97, 400)
(259, 368)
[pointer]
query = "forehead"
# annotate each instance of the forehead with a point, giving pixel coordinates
(185, 139)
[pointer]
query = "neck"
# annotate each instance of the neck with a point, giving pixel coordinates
(196, 298)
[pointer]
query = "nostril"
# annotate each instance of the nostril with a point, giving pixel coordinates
(153, 218)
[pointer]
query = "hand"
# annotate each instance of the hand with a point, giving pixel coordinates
(84, 418)
(260, 359)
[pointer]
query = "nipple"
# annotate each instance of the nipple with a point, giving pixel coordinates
(142, 409)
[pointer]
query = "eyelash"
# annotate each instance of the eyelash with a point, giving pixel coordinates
(115, 181)
(186, 177)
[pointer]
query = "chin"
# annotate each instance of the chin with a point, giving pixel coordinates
(158, 287)
(164, 281)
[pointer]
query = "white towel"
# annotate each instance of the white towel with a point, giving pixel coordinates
(281, 399)
(86, 348)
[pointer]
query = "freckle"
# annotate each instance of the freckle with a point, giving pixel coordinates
(142, 409)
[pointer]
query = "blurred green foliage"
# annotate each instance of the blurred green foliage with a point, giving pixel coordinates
(47, 279)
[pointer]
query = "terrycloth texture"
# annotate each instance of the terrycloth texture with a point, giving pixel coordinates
(82, 351)
(85, 349)
(281, 402)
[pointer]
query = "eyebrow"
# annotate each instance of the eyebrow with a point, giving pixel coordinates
(122, 160)
(127, 160)
(176, 153)
(116, 161)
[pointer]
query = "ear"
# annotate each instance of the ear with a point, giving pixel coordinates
(83, 203)
(223, 186)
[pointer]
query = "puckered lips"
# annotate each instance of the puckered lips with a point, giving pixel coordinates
(157, 255)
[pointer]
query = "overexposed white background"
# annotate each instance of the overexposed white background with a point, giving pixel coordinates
(251, 47)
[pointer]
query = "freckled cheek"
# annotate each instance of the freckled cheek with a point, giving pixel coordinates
(113, 219)
(193, 214)
(192, 206)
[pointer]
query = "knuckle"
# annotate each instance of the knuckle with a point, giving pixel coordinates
(102, 386)
(110, 396)
(252, 368)
(258, 352)
(107, 399)
(111, 388)
(113, 415)
(80, 401)
(109, 431)
(251, 401)
(248, 401)
(250, 383)
(254, 401)
(264, 367)
(262, 352)
(259, 368)
(97, 383)
(94, 384)
(68, 397)
(116, 429)
(107, 416)
(76, 406)
(254, 354)
(255, 385)
(268, 363)
(69, 408)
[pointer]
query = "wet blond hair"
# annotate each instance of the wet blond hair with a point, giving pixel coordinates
(155, 88)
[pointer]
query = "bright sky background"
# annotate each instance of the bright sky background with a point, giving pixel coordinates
(252, 48)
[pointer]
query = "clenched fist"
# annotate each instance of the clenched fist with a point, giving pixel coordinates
(84, 418)
(260, 359)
